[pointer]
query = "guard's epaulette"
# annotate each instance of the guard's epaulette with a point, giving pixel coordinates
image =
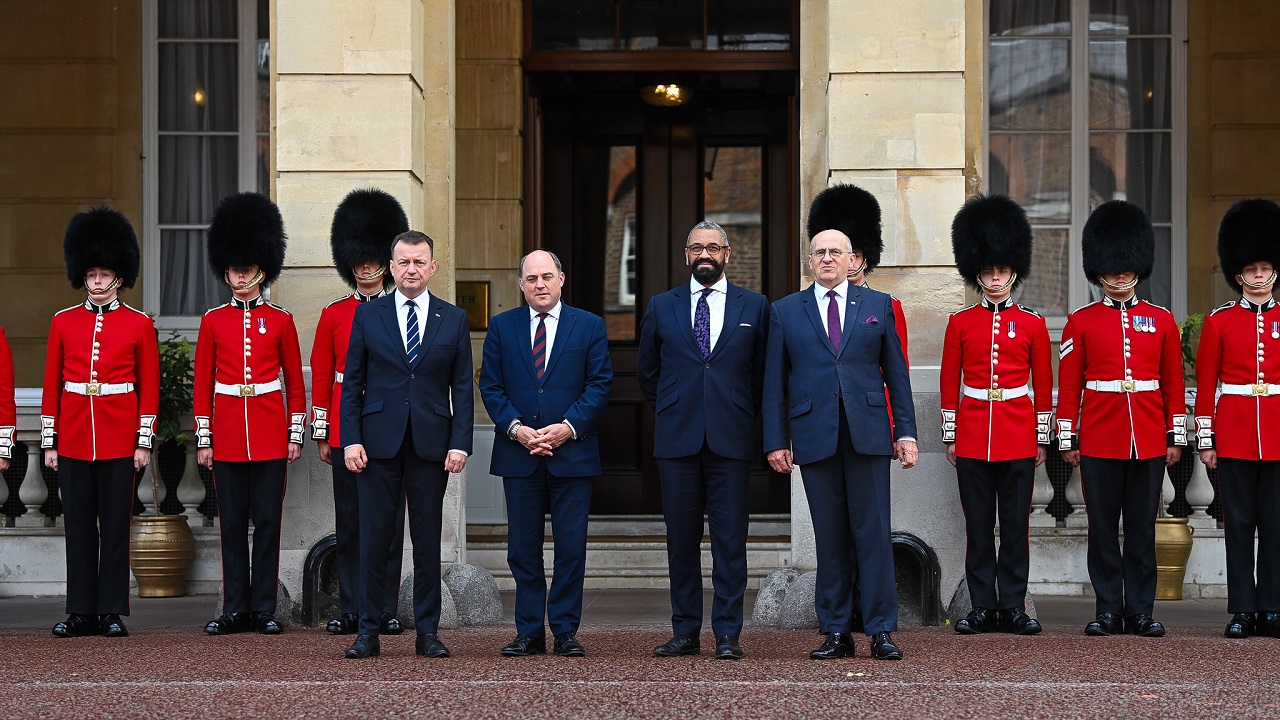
(286, 312)
(1223, 306)
(1073, 312)
(1028, 310)
(217, 307)
(335, 301)
(970, 307)
(73, 307)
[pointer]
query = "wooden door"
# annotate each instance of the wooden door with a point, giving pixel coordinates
(621, 184)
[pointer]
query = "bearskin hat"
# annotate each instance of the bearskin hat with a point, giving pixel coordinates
(101, 237)
(247, 230)
(1118, 238)
(854, 212)
(365, 225)
(988, 231)
(1249, 233)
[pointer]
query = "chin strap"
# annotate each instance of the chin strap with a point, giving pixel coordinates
(1013, 278)
(853, 275)
(1121, 287)
(116, 283)
(252, 281)
(371, 276)
(1259, 286)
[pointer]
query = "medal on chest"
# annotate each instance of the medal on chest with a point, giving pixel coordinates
(1012, 330)
(262, 326)
(1275, 330)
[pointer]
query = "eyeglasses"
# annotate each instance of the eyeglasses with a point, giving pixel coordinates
(833, 253)
(712, 249)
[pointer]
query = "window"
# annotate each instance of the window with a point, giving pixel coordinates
(626, 25)
(206, 130)
(1085, 104)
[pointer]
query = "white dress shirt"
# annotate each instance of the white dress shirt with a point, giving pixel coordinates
(402, 315)
(841, 298)
(552, 324)
(715, 304)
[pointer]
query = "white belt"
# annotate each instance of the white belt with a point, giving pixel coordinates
(339, 375)
(246, 390)
(995, 394)
(1123, 386)
(95, 389)
(1259, 390)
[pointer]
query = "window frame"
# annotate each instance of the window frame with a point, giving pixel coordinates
(1077, 284)
(246, 134)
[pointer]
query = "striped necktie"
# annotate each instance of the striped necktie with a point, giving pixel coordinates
(540, 346)
(412, 342)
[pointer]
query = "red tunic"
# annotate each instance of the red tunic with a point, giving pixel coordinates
(99, 348)
(248, 344)
(1114, 342)
(1239, 346)
(8, 410)
(328, 360)
(980, 353)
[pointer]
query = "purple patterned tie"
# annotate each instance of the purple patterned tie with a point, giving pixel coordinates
(702, 324)
(540, 346)
(834, 331)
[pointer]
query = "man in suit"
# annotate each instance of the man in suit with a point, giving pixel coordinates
(545, 380)
(406, 424)
(701, 366)
(832, 350)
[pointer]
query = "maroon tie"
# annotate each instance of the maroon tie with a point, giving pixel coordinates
(540, 346)
(833, 320)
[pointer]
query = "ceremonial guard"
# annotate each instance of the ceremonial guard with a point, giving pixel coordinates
(1240, 348)
(1121, 405)
(8, 410)
(245, 429)
(97, 418)
(365, 225)
(997, 400)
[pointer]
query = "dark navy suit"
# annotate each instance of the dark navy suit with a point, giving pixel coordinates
(575, 388)
(830, 410)
(407, 418)
(704, 436)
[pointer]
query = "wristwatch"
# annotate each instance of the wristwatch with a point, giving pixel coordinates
(515, 428)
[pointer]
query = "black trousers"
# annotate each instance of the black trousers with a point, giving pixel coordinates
(97, 507)
(717, 486)
(996, 580)
(346, 520)
(849, 500)
(1250, 494)
(384, 486)
(1124, 583)
(250, 490)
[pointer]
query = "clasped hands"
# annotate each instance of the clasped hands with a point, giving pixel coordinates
(544, 441)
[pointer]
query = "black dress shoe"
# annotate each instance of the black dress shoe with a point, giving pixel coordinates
(837, 645)
(266, 624)
(1268, 624)
(1018, 622)
(977, 622)
(883, 647)
(228, 623)
(727, 648)
(1241, 626)
(345, 625)
(365, 646)
(391, 624)
(77, 626)
(525, 645)
(1143, 626)
(112, 626)
(567, 645)
(1104, 624)
(430, 646)
(678, 645)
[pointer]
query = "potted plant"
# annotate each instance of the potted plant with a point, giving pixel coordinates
(161, 547)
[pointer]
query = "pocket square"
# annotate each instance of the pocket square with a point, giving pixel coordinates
(873, 320)
(744, 324)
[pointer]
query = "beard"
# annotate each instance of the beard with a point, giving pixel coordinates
(707, 271)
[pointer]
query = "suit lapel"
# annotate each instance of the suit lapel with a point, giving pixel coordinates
(564, 328)
(391, 318)
(521, 325)
(430, 326)
(679, 308)
(811, 309)
(732, 311)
